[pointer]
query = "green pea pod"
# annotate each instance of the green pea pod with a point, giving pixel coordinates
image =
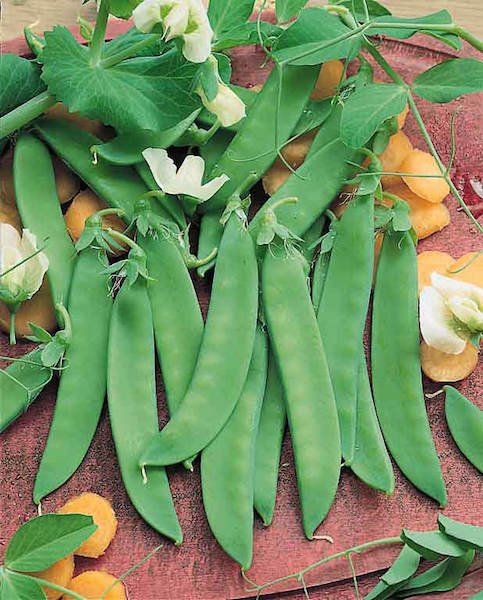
(444, 576)
(228, 465)
(272, 118)
(131, 392)
(82, 387)
(316, 182)
(396, 369)
(319, 275)
(20, 384)
(269, 444)
(224, 356)
(308, 245)
(465, 422)
(371, 460)
(211, 232)
(39, 208)
(311, 410)
(214, 148)
(348, 285)
(177, 319)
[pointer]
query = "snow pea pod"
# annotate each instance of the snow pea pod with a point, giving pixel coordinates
(39, 208)
(82, 387)
(348, 287)
(254, 147)
(269, 444)
(396, 369)
(131, 392)
(20, 384)
(319, 276)
(371, 461)
(224, 356)
(228, 464)
(316, 182)
(465, 422)
(303, 369)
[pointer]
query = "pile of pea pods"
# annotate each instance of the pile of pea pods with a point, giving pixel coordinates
(282, 341)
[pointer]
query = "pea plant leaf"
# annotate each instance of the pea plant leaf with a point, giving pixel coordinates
(146, 92)
(432, 544)
(122, 8)
(397, 575)
(44, 540)
(450, 79)
(286, 9)
(367, 108)
(14, 586)
(470, 536)
(20, 81)
(133, 36)
(225, 15)
(357, 8)
(305, 42)
(442, 17)
(247, 34)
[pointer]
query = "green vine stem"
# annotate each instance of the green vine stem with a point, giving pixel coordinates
(12, 336)
(50, 585)
(65, 320)
(99, 34)
(299, 575)
(25, 113)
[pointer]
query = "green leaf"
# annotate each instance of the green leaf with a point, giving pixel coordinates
(450, 79)
(432, 544)
(40, 542)
(52, 353)
(400, 216)
(309, 32)
(141, 93)
(122, 8)
(14, 586)
(133, 36)
(403, 568)
(247, 34)
(20, 81)
(357, 8)
(315, 113)
(442, 577)
(470, 536)
(227, 14)
(127, 148)
(441, 17)
(208, 80)
(382, 216)
(286, 9)
(40, 333)
(367, 108)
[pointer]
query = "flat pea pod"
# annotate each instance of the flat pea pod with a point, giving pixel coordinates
(316, 182)
(396, 368)
(311, 410)
(82, 386)
(228, 465)
(177, 319)
(348, 287)
(39, 208)
(268, 447)
(254, 147)
(465, 422)
(371, 460)
(131, 392)
(224, 356)
(20, 384)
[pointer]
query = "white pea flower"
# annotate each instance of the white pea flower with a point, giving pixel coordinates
(450, 311)
(21, 270)
(185, 180)
(179, 18)
(226, 105)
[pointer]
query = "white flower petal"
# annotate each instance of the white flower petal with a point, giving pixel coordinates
(190, 174)
(147, 14)
(449, 287)
(9, 257)
(437, 326)
(163, 169)
(467, 311)
(209, 189)
(197, 43)
(36, 267)
(176, 21)
(9, 236)
(226, 105)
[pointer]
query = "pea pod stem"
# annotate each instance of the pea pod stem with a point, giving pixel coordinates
(99, 34)
(23, 114)
(343, 554)
(117, 235)
(65, 319)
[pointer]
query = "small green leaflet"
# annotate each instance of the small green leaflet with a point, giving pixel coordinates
(14, 586)
(44, 540)
(450, 79)
(122, 8)
(247, 34)
(286, 9)
(367, 108)
(308, 34)
(432, 544)
(146, 93)
(225, 15)
(470, 536)
(20, 81)
(441, 17)
(357, 8)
